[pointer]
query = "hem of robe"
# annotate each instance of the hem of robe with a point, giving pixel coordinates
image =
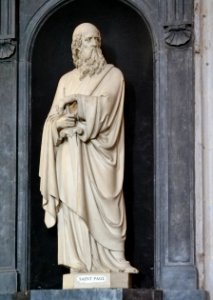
(78, 250)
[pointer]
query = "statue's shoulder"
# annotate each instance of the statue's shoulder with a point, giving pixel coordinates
(68, 76)
(115, 72)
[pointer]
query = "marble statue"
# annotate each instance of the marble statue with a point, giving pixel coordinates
(82, 161)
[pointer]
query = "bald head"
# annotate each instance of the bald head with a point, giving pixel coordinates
(85, 29)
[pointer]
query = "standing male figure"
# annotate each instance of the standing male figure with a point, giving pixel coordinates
(82, 161)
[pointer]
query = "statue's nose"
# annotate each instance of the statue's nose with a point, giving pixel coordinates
(94, 42)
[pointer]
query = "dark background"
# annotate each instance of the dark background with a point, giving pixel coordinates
(127, 44)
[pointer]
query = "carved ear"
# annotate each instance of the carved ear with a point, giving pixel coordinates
(77, 52)
(78, 41)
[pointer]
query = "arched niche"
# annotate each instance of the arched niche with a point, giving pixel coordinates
(127, 43)
(170, 26)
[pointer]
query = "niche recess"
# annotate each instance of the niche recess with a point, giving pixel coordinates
(126, 43)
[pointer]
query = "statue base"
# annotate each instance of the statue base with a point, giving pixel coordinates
(96, 280)
(108, 294)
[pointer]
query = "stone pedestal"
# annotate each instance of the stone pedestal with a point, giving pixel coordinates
(96, 280)
(91, 294)
(185, 295)
(107, 294)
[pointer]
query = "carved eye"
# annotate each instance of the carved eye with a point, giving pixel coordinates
(88, 39)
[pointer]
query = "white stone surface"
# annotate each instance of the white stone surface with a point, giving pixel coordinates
(86, 281)
(204, 141)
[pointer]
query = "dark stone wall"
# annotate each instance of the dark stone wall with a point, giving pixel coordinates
(127, 44)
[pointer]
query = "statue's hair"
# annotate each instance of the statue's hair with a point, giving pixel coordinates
(75, 47)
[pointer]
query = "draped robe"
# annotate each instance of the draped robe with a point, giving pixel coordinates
(82, 171)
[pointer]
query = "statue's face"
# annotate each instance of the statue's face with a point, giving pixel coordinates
(90, 39)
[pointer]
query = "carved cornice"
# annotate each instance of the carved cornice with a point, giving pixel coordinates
(7, 48)
(177, 35)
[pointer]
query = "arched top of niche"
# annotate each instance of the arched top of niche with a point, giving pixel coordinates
(145, 8)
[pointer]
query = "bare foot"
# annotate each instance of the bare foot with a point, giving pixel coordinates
(126, 267)
(131, 269)
(79, 268)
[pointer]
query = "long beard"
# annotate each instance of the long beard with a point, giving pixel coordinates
(91, 61)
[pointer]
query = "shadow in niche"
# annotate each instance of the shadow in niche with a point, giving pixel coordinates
(127, 44)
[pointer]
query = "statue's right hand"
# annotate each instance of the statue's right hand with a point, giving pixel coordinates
(65, 122)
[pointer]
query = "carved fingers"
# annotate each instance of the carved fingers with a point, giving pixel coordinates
(66, 121)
